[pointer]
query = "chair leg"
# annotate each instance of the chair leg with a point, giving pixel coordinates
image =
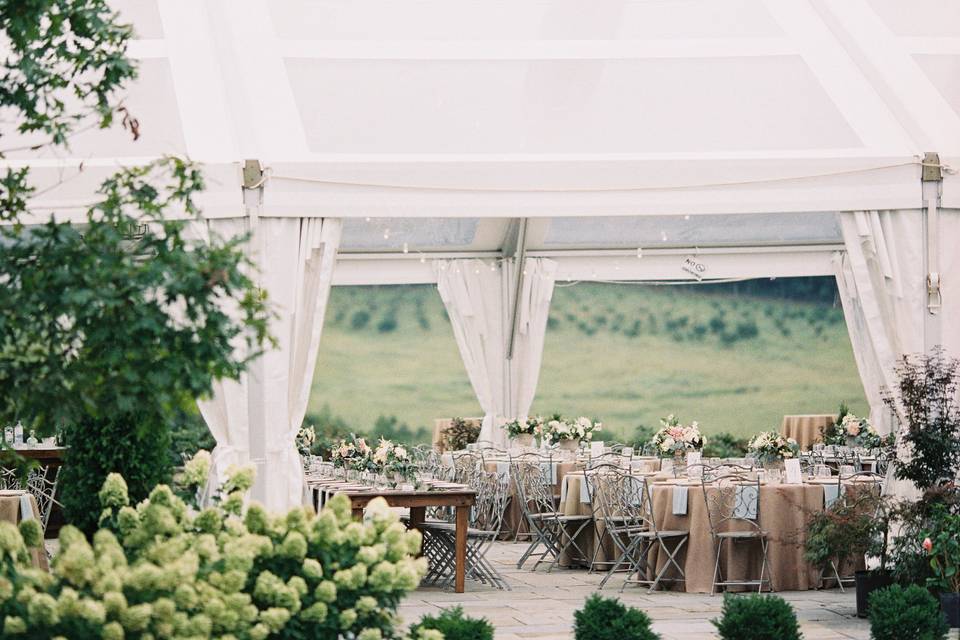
(671, 559)
(716, 568)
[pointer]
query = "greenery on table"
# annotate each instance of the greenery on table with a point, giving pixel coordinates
(756, 617)
(460, 433)
(609, 619)
(454, 625)
(725, 445)
(165, 569)
(927, 402)
(897, 613)
(111, 327)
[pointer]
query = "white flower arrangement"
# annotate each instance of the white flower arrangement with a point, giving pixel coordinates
(524, 427)
(306, 437)
(770, 446)
(354, 454)
(559, 428)
(674, 437)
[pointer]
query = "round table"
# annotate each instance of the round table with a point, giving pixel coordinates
(784, 512)
(806, 430)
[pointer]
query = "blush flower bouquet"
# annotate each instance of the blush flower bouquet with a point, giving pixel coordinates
(674, 438)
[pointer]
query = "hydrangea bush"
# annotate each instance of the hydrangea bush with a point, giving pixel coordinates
(166, 568)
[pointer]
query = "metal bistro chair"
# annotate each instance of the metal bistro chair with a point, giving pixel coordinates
(486, 518)
(733, 499)
(466, 466)
(545, 461)
(626, 508)
(548, 527)
(605, 458)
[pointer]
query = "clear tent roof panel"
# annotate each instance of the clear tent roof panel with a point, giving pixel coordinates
(495, 109)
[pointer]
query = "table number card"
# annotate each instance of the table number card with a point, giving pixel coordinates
(793, 472)
(693, 457)
(627, 452)
(596, 448)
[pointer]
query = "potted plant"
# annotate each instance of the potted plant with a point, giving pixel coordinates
(675, 439)
(942, 544)
(521, 430)
(847, 530)
(770, 448)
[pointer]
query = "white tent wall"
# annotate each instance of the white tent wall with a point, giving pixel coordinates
(255, 420)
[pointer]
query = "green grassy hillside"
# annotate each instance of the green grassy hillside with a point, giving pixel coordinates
(625, 354)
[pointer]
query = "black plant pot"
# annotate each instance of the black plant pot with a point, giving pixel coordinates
(950, 605)
(867, 582)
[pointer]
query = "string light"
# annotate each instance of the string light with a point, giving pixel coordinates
(639, 252)
(406, 248)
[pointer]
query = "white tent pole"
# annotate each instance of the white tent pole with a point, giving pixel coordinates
(517, 285)
(256, 382)
(932, 186)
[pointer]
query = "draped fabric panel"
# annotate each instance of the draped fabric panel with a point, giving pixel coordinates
(881, 280)
(534, 309)
(475, 296)
(257, 418)
(225, 412)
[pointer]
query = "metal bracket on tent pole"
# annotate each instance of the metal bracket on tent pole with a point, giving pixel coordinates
(252, 174)
(520, 256)
(931, 177)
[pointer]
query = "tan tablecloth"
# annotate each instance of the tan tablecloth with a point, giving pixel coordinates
(784, 512)
(806, 429)
(10, 512)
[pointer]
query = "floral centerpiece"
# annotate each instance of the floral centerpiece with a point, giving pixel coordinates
(523, 430)
(771, 447)
(393, 460)
(676, 439)
(568, 434)
(353, 454)
(859, 432)
(306, 438)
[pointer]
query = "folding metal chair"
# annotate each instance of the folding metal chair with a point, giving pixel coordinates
(548, 527)
(733, 499)
(867, 480)
(626, 509)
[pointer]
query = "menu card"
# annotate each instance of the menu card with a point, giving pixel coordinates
(694, 470)
(596, 448)
(793, 473)
(627, 452)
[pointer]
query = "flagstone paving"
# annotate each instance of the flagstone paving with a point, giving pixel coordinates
(541, 605)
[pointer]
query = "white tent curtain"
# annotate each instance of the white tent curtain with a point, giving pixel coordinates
(533, 310)
(881, 282)
(297, 258)
(257, 419)
(474, 293)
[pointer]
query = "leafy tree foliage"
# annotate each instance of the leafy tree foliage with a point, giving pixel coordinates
(110, 327)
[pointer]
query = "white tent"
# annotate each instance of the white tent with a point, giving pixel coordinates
(511, 144)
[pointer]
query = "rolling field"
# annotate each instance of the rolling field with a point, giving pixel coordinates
(625, 354)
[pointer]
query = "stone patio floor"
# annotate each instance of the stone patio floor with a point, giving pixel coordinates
(541, 605)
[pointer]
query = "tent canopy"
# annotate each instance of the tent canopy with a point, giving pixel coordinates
(474, 109)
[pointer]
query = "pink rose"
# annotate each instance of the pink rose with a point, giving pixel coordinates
(927, 545)
(853, 429)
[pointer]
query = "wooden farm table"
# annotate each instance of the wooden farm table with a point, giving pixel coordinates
(460, 499)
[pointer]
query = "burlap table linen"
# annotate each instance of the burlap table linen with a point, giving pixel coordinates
(784, 512)
(10, 512)
(805, 429)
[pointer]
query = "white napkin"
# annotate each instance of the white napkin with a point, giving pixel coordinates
(680, 494)
(746, 508)
(549, 470)
(504, 468)
(26, 508)
(584, 494)
(830, 494)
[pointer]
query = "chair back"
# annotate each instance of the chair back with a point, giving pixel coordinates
(605, 458)
(622, 500)
(466, 466)
(493, 492)
(533, 491)
(732, 499)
